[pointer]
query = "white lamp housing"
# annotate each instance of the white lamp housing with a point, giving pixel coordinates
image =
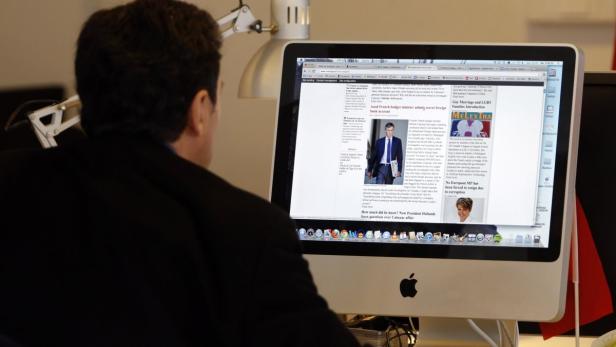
(261, 78)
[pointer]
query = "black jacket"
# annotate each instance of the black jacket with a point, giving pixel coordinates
(120, 242)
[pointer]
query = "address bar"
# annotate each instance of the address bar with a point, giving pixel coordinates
(431, 73)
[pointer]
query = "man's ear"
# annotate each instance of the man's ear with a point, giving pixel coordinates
(199, 113)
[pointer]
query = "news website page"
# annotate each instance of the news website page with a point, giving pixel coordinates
(426, 141)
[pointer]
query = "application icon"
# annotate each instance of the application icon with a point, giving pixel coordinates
(386, 234)
(489, 237)
(310, 232)
(369, 234)
(537, 239)
(335, 234)
(377, 234)
(498, 238)
(353, 234)
(403, 235)
(472, 237)
(302, 232)
(318, 233)
(445, 237)
(519, 238)
(528, 238)
(394, 236)
(429, 236)
(360, 235)
(327, 234)
(437, 236)
(412, 236)
(420, 235)
(480, 237)
(344, 234)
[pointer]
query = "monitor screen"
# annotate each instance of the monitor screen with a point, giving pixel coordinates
(465, 146)
(447, 168)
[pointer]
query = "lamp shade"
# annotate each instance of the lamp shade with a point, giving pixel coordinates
(261, 77)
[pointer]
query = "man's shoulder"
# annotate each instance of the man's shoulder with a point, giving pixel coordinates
(26, 163)
(246, 207)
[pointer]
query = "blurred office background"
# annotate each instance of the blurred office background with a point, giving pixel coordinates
(37, 44)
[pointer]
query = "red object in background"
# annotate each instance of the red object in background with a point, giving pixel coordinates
(595, 295)
(614, 56)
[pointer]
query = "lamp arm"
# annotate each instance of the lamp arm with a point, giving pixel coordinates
(242, 20)
(46, 132)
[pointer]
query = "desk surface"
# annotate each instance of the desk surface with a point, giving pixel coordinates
(537, 341)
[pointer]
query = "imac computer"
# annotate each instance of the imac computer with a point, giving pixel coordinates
(432, 180)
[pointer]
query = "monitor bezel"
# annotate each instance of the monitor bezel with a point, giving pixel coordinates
(287, 124)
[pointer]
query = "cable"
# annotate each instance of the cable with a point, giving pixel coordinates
(506, 332)
(8, 125)
(481, 333)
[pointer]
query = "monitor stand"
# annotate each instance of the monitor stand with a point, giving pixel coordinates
(444, 332)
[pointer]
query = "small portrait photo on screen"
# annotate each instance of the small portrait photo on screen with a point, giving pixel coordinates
(471, 124)
(385, 151)
(463, 209)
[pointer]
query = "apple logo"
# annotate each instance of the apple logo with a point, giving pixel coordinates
(407, 286)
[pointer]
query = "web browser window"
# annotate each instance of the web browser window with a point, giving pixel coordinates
(412, 141)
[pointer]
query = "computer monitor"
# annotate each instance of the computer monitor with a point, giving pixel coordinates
(431, 180)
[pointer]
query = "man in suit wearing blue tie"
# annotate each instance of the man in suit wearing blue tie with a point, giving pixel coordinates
(386, 150)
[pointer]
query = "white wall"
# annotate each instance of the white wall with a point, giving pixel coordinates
(37, 40)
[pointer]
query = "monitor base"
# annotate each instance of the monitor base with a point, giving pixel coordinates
(443, 332)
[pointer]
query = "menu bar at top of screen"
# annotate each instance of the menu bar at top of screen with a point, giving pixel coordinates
(323, 71)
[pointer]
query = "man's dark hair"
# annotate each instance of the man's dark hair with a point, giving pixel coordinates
(138, 67)
(389, 125)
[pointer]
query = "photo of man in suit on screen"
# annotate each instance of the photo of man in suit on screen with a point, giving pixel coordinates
(385, 163)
